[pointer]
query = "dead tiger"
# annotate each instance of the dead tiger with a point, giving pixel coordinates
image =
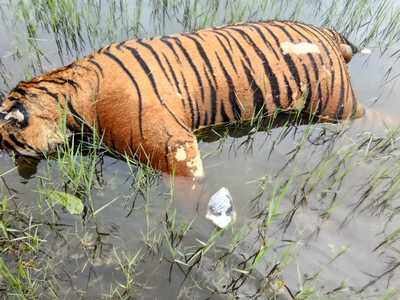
(147, 98)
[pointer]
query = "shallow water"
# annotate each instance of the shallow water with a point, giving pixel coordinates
(319, 238)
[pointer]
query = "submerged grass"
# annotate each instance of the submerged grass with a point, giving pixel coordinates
(47, 252)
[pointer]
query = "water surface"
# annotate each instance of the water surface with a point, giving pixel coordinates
(318, 240)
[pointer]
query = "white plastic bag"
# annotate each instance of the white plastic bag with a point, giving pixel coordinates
(220, 208)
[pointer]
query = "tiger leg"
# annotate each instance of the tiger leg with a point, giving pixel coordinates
(173, 150)
(183, 156)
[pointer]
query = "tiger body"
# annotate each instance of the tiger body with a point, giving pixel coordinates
(148, 97)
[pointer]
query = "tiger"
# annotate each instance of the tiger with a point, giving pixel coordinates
(147, 98)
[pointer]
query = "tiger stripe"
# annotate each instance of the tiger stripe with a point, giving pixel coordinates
(290, 71)
(132, 79)
(311, 98)
(251, 75)
(345, 85)
(321, 97)
(337, 64)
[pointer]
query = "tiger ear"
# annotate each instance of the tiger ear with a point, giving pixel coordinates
(347, 52)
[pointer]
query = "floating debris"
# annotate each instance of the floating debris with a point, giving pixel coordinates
(366, 51)
(220, 208)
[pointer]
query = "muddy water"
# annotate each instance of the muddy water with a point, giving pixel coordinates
(305, 237)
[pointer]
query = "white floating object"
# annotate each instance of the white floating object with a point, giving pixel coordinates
(220, 208)
(366, 51)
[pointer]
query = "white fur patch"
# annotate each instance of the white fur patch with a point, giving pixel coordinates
(299, 48)
(196, 166)
(181, 154)
(15, 114)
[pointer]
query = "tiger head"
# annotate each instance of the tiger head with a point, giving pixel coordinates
(29, 126)
(347, 49)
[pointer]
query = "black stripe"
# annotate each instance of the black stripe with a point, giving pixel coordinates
(224, 115)
(340, 107)
(97, 65)
(213, 102)
(283, 29)
(331, 91)
(258, 97)
(309, 87)
(224, 37)
(171, 70)
(166, 151)
(305, 69)
(354, 104)
(289, 90)
(318, 82)
(113, 146)
(77, 117)
(195, 123)
(128, 73)
(20, 91)
(150, 76)
(132, 142)
(155, 55)
(100, 50)
(232, 94)
(314, 65)
(192, 65)
(8, 146)
(76, 65)
(277, 42)
(266, 42)
(204, 56)
(71, 82)
(198, 35)
(104, 49)
(293, 70)
(318, 36)
(97, 82)
(273, 81)
(61, 81)
(213, 87)
(18, 143)
(333, 78)
(249, 71)
(119, 45)
(93, 71)
(242, 51)
(338, 56)
(165, 41)
(288, 60)
(293, 27)
(227, 53)
(46, 90)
